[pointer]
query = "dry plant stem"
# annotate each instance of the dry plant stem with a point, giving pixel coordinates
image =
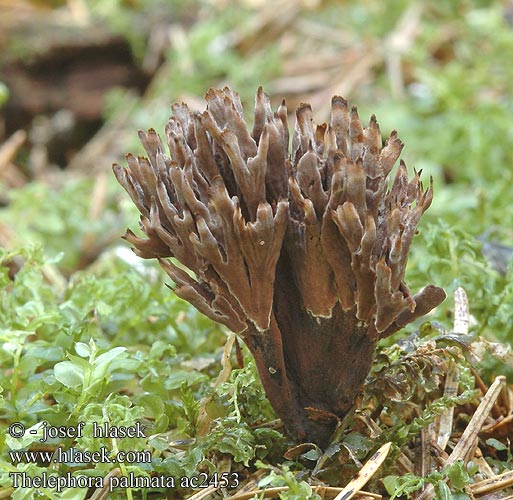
(365, 473)
(10, 147)
(323, 491)
(502, 427)
(439, 455)
(484, 467)
(461, 321)
(403, 462)
(204, 493)
(398, 43)
(300, 253)
(479, 381)
(499, 409)
(493, 484)
(469, 436)
(203, 420)
(10, 174)
(6, 492)
(103, 493)
(423, 456)
(465, 446)
(461, 312)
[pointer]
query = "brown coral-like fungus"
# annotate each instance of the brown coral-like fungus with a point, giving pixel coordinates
(300, 251)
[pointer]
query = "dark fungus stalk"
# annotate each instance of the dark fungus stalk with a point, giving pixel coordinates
(302, 255)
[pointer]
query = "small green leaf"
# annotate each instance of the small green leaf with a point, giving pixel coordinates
(496, 444)
(313, 454)
(4, 93)
(32, 435)
(153, 405)
(82, 349)
(458, 475)
(68, 374)
(460, 496)
(108, 356)
(391, 484)
(178, 377)
(444, 493)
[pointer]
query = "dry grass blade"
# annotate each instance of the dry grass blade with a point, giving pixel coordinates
(461, 311)
(366, 472)
(403, 462)
(203, 419)
(204, 493)
(96, 208)
(9, 172)
(398, 43)
(9, 148)
(267, 27)
(423, 455)
(6, 493)
(493, 484)
(102, 493)
(104, 144)
(461, 320)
